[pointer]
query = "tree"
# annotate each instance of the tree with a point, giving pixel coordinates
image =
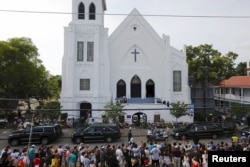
(241, 69)
(22, 73)
(207, 65)
(238, 110)
(49, 110)
(113, 111)
(178, 109)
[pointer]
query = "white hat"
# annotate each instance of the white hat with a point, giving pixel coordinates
(33, 145)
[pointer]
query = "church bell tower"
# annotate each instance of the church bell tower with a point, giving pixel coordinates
(85, 66)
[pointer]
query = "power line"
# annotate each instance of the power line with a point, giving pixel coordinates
(146, 15)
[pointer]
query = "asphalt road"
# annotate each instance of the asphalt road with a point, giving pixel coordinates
(139, 135)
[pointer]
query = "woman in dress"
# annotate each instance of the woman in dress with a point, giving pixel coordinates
(195, 162)
(186, 160)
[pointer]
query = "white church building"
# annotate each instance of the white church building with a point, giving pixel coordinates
(133, 63)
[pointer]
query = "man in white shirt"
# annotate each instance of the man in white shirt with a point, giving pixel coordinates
(155, 155)
(118, 153)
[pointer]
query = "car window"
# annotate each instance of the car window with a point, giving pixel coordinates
(99, 129)
(106, 129)
(197, 128)
(48, 129)
(37, 129)
(91, 130)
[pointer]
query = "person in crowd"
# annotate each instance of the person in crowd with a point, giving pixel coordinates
(136, 151)
(103, 156)
(195, 162)
(31, 155)
(186, 160)
(126, 154)
(235, 138)
(72, 158)
(119, 154)
(4, 157)
(60, 151)
(155, 153)
(129, 134)
(36, 161)
(112, 161)
(92, 163)
(177, 156)
(21, 162)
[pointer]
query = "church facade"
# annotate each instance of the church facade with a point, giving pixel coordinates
(134, 65)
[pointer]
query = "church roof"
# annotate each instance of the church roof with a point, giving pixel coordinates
(136, 20)
(236, 81)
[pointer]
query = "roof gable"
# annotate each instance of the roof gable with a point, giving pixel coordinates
(137, 20)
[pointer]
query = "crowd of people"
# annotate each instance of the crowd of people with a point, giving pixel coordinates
(131, 154)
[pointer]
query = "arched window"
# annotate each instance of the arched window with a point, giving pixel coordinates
(92, 12)
(81, 11)
(135, 87)
(120, 89)
(150, 88)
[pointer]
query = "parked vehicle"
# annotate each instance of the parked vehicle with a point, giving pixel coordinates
(112, 126)
(157, 135)
(36, 134)
(96, 132)
(203, 130)
(245, 131)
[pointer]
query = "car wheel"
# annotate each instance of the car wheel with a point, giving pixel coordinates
(183, 137)
(215, 136)
(108, 139)
(44, 140)
(14, 142)
(78, 140)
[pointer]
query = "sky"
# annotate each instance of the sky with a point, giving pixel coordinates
(230, 33)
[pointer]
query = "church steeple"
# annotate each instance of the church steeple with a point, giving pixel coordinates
(89, 12)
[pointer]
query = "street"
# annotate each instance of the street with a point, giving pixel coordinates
(139, 136)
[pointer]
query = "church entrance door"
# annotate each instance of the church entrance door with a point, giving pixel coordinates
(139, 119)
(85, 110)
(135, 87)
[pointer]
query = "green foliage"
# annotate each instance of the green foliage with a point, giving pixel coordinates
(113, 111)
(50, 110)
(178, 109)
(22, 74)
(239, 110)
(241, 69)
(64, 116)
(209, 66)
(206, 64)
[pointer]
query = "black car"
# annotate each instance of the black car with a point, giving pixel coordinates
(36, 134)
(204, 130)
(245, 131)
(95, 132)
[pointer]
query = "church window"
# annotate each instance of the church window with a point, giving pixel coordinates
(177, 81)
(92, 12)
(84, 84)
(150, 88)
(121, 89)
(90, 51)
(80, 48)
(81, 11)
